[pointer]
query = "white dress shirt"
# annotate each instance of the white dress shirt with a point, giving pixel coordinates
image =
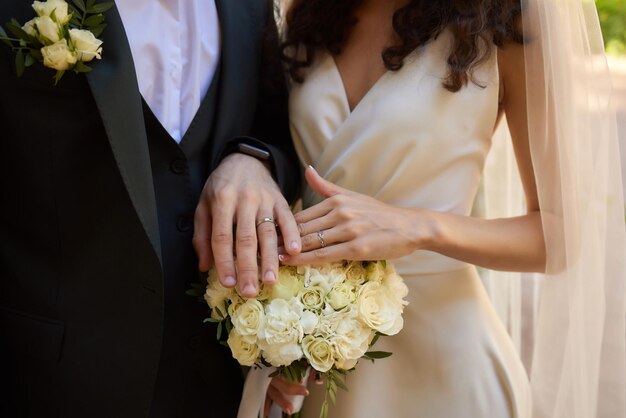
(175, 46)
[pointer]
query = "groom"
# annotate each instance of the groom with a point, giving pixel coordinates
(101, 178)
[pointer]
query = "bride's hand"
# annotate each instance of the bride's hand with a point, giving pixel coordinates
(352, 226)
(279, 392)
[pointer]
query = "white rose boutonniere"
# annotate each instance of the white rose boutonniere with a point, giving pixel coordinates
(63, 36)
(322, 317)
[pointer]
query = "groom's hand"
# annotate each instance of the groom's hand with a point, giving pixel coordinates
(241, 192)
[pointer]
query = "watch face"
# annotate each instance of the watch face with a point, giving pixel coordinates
(254, 151)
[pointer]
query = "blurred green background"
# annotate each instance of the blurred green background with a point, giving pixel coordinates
(612, 14)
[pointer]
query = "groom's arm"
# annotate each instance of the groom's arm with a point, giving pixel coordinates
(249, 192)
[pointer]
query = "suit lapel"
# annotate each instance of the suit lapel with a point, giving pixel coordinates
(114, 87)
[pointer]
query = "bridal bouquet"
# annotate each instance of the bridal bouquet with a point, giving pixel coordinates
(324, 317)
(62, 36)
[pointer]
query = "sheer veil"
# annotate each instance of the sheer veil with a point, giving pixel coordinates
(568, 324)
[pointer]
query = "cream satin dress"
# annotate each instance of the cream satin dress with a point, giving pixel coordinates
(411, 143)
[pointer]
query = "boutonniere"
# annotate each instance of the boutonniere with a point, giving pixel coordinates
(62, 37)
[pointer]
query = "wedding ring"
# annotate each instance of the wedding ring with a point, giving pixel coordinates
(320, 236)
(267, 219)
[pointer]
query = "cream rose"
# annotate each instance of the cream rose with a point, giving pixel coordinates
(58, 56)
(29, 27)
(356, 273)
(249, 318)
(289, 284)
(341, 295)
(86, 44)
(375, 271)
(59, 7)
(378, 308)
(312, 297)
(319, 352)
(48, 30)
(217, 295)
(243, 350)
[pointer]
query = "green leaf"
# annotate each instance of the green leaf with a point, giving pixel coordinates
(219, 331)
(98, 29)
(2, 31)
(377, 354)
(17, 31)
(224, 343)
(58, 76)
(20, 63)
(211, 320)
(324, 411)
(81, 67)
(90, 3)
(94, 20)
(189, 292)
(29, 60)
(80, 4)
(275, 373)
(376, 337)
(36, 53)
(341, 384)
(101, 7)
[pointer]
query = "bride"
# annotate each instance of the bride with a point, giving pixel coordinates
(393, 105)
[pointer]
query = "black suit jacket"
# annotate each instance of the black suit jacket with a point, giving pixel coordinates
(81, 277)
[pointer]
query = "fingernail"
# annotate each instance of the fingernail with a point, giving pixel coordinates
(270, 276)
(293, 245)
(249, 289)
(230, 281)
(283, 257)
(289, 410)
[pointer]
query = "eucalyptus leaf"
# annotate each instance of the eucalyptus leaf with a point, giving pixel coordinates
(20, 63)
(2, 31)
(29, 60)
(219, 331)
(377, 354)
(212, 320)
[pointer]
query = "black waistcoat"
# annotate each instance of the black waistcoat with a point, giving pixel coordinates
(197, 377)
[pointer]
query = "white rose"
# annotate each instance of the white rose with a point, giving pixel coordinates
(244, 351)
(281, 354)
(356, 273)
(58, 56)
(312, 297)
(59, 7)
(216, 295)
(319, 352)
(86, 44)
(378, 308)
(249, 318)
(341, 295)
(288, 285)
(282, 323)
(235, 303)
(29, 27)
(308, 321)
(47, 29)
(317, 279)
(375, 271)
(351, 341)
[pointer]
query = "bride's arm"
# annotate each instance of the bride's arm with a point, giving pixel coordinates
(357, 227)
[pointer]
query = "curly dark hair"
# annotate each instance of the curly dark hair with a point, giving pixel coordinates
(476, 26)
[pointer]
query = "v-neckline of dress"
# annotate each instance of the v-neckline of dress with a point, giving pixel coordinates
(344, 91)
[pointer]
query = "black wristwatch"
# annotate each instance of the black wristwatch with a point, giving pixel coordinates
(253, 151)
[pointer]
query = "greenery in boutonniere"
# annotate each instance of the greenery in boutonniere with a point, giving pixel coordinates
(62, 37)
